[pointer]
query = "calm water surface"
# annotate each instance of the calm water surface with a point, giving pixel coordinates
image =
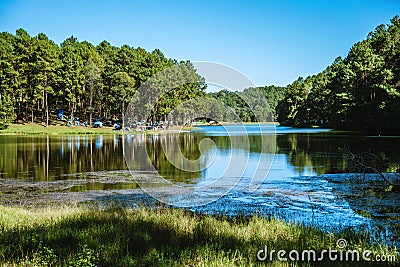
(301, 169)
(296, 152)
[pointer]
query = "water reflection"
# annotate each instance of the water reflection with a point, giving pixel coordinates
(185, 157)
(44, 158)
(163, 153)
(288, 154)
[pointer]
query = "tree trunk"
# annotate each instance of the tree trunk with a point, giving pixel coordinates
(90, 105)
(38, 107)
(32, 106)
(72, 113)
(43, 102)
(47, 157)
(47, 110)
(19, 111)
(123, 116)
(123, 122)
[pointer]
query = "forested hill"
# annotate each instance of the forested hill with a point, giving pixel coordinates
(360, 92)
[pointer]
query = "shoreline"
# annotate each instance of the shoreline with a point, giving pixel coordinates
(39, 129)
(54, 129)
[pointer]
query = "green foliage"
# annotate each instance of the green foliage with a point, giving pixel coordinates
(7, 79)
(361, 91)
(253, 104)
(7, 114)
(236, 103)
(38, 77)
(86, 257)
(272, 94)
(43, 257)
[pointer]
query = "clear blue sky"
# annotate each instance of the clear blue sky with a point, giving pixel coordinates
(272, 42)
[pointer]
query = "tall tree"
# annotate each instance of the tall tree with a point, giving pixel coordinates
(92, 78)
(361, 91)
(8, 79)
(122, 90)
(25, 68)
(45, 70)
(72, 74)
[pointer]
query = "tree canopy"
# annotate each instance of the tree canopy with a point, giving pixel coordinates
(39, 77)
(359, 92)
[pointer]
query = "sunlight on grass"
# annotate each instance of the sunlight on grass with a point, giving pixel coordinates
(82, 236)
(34, 128)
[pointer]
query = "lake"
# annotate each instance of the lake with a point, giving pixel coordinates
(303, 175)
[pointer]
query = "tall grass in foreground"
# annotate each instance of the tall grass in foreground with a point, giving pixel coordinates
(82, 236)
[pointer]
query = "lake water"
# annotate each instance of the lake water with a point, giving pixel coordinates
(294, 174)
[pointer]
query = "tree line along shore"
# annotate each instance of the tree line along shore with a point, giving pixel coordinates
(39, 78)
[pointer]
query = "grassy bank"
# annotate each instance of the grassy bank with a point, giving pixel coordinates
(35, 128)
(61, 128)
(80, 236)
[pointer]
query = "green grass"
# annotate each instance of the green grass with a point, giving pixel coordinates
(60, 128)
(84, 236)
(37, 128)
(34, 128)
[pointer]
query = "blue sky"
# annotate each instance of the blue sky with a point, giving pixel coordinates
(272, 42)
